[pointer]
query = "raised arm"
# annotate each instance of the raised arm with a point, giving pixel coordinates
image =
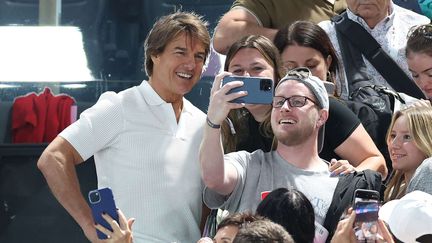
(235, 24)
(218, 175)
(57, 164)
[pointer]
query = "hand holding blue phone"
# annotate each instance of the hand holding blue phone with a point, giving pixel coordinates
(102, 202)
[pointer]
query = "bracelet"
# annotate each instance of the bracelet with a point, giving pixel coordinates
(212, 125)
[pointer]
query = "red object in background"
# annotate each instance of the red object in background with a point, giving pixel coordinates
(264, 194)
(40, 118)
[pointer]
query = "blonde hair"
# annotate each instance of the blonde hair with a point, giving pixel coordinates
(420, 127)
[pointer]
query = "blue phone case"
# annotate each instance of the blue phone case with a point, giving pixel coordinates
(102, 201)
(260, 90)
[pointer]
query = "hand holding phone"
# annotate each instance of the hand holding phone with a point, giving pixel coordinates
(366, 206)
(260, 89)
(102, 201)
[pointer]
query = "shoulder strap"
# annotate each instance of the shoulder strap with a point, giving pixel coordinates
(372, 50)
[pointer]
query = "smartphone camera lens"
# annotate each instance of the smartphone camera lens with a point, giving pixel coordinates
(94, 197)
(266, 84)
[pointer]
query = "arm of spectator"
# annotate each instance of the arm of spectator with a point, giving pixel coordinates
(57, 164)
(218, 175)
(384, 235)
(361, 152)
(235, 24)
(422, 103)
(344, 232)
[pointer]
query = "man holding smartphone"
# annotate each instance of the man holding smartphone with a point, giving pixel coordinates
(235, 181)
(144, 140)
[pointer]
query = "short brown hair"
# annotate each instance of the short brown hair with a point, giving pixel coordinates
(167, 28)
(263, 231)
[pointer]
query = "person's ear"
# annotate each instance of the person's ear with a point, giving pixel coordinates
(323, 116)
(155, 58)
(329, 61)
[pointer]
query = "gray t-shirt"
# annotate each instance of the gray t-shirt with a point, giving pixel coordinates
(260, 172)
(421, 179)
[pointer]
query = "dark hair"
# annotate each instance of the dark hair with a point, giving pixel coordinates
(291, 209)
(308, 34)
(240, 117)
(264, 46)
(420, 40)
(167, 28)
(263, 231)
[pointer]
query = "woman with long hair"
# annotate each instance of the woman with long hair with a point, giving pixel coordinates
(409, 140)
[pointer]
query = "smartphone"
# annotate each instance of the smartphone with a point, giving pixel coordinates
(366, 206)
(102, 201)
(260, 90)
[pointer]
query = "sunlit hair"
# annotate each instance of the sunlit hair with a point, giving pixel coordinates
(239, 117)
(168, 27)
(420, 40)
(308, 34)
(238, 219)
(420, 127)
(264, 231)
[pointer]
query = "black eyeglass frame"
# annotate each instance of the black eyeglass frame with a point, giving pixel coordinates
(289, 99)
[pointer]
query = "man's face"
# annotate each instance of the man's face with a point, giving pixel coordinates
(178, 68)
(369, 9)
(294, 125)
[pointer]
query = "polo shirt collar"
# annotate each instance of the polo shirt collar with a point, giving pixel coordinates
(152, 98)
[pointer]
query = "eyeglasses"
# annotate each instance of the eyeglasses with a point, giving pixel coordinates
(424, 31)
(293, 101)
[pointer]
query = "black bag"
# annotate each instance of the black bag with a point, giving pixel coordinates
(373, 104)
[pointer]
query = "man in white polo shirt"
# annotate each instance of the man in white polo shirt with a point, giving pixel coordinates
(144, 140)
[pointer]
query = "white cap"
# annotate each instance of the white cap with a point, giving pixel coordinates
(409, 217)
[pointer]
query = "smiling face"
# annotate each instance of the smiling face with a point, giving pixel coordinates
(372, 11)
(294, 125)
(420, 66)
(250, 62)
(294, 56)
(404, 153)
(178, 68)
(226, 234)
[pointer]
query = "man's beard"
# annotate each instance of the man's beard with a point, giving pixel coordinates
(296, 137)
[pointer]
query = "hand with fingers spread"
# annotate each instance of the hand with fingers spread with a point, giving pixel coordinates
(121, 233)
(220, 104)
(340, 167)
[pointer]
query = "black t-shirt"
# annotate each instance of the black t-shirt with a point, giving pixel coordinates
(340, 125)
(255, 140)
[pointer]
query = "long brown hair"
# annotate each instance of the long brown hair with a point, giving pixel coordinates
(239, 117)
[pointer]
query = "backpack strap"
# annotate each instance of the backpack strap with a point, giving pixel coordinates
(360, 39)
(344, 194)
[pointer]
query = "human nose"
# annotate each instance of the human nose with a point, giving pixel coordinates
(395, 142)
(190, 62)
(285, 106)
(423, 81)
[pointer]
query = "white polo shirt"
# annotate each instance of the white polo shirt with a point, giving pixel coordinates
(148, 159)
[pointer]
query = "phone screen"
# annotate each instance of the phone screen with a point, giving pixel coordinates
(365, 225)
